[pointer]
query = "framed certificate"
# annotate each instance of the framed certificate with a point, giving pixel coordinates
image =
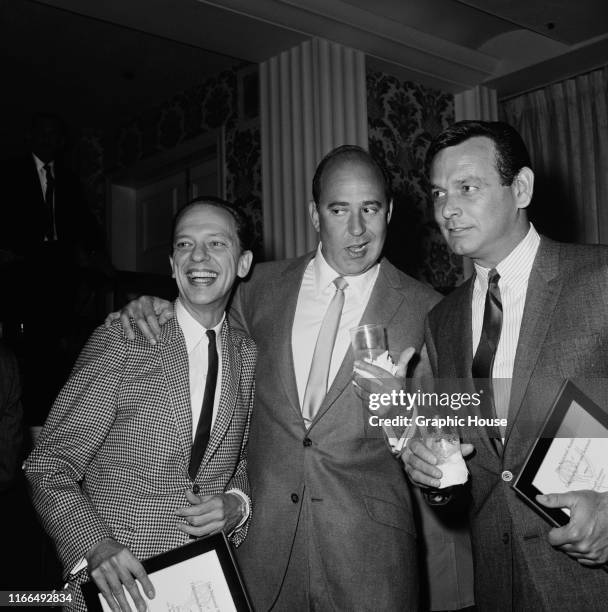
(570, 454)
(200, 576)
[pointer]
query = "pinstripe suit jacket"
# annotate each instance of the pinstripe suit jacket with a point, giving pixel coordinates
(564, 334)
(112, 459)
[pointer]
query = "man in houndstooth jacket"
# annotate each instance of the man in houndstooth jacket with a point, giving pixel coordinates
(110, 473)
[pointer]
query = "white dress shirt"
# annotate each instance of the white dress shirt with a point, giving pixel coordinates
(197, 345)
(316, 292)
(514, 273)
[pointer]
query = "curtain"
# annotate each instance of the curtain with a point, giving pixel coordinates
(565, 126)
(313, 99)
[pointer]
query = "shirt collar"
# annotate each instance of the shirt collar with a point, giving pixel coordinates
(515, 268)
(324, 276)
(193, 331)
(40, 164)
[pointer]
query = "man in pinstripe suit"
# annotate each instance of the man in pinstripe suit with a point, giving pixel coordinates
(116, 476)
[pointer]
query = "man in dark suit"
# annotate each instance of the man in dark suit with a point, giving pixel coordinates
(533, 314)
(334, 522)
(47, 237)
(145, 445)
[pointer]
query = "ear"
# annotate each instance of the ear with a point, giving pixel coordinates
(314, 214)
(523, 187)
(390, 211)
(172, 268)
(244, 263)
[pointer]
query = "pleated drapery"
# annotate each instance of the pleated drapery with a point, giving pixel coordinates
(565, 126)
(313, 98)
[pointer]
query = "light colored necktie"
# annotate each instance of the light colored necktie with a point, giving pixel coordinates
(316, 387)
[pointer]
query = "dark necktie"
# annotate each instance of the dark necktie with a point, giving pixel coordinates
(49, 226)
(483, 361)
(203, 429)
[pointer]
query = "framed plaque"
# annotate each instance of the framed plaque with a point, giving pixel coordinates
(201, 575)
(570, 454)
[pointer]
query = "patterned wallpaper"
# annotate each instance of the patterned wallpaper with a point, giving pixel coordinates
(215, 102)
(403, 117)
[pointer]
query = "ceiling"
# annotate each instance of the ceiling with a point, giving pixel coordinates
(99, 62)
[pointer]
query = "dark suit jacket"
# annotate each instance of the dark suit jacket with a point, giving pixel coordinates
(22, 228)
(22, 209)
(362, 522)
(112, 458)
(564, 334)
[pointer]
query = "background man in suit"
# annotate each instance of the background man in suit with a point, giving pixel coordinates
(47, 238)
(552, 325)
(138, 432)
(334, 526)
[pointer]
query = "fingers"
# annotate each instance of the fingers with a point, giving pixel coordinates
(199, 505)
(165, 316)
(126, 325)
(113, 316)
(149, 327)
(113, 573)
(195, 499)
(466, 449)
(105, 590)
(208, 514)
(420, 465)
(404, 360)
(555, 500)
(131, 572)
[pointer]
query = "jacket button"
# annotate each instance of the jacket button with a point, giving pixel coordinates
(505, 538)
(294, 498)
(307, 442)
(507, 476)
(195, 489)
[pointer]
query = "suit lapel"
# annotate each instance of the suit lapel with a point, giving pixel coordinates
(384, 301)
(288, 286)
(543, 291)
(231, 374)
(459, 345)
(174, 358)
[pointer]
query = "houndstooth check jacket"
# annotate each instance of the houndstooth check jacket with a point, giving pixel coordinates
(112, 459)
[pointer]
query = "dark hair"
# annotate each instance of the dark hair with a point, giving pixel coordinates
(348, 152)
(511, 152)
(243, 227)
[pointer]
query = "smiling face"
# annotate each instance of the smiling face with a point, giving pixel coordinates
(207, 258)
(351, 216)
(479, 217)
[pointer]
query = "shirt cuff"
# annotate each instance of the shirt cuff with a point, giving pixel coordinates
(247, 507)
(82, 564)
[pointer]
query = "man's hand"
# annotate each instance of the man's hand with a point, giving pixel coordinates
(112, 565)
(368, 379)
(150, 313)
(420, 463)
(585, 537)
(210, 513)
